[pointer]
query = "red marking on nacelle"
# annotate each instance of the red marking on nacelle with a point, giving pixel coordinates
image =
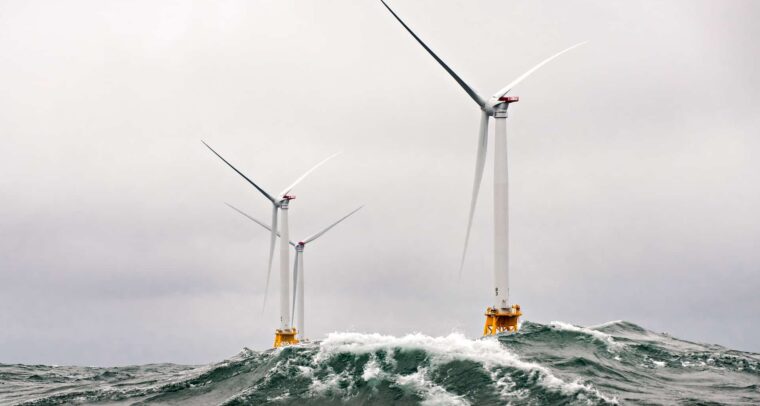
(510, 99)
(289, 197)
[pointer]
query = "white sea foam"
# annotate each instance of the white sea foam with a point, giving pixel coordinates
(489, 353)
(431, 393)
(279, 398)
(597, 335)
(371, 369)
(455, 346)
(305, 371)
(338, 384)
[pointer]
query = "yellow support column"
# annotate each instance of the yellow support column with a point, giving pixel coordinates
(285, 337)
(501, 320)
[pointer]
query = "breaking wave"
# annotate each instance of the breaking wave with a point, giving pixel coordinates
(558, 363)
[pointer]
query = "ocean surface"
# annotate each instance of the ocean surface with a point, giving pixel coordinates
(558, 363)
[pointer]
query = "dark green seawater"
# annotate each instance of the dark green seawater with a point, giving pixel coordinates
(615, 363)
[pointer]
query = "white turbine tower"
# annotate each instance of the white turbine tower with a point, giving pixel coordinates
(298, 281)
(501, 316)
(286, 333)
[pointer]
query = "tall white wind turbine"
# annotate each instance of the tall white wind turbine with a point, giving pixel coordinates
(298, 274)
(279, 202)
(496, 106)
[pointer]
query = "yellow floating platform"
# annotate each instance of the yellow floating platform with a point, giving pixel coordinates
(285, 337)
(501, 320)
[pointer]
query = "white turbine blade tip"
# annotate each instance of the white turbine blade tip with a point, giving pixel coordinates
(297, 181)
(507, 88)
(317, 235)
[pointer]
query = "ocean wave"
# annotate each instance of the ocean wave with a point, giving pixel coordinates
(488, 353)
(558, 363)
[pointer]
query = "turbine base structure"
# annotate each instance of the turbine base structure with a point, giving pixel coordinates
(285, 337)
(501, 320)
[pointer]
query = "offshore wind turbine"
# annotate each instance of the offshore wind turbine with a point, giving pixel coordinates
(298, 282)
(286, 334)
(501, 316)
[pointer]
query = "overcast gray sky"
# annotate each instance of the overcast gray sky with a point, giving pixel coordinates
(633, 170)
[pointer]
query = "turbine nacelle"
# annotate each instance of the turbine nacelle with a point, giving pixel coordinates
(490, 107)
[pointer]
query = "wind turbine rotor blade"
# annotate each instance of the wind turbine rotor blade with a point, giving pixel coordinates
(289, 188)
(495, 98)
(319, 234)
(250, 217)
(295, 288)
(480, 162)
(261, 223)
(271, 252)
(267, 195)
(453, 74)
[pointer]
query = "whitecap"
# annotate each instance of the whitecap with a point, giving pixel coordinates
(597, 335)
(487, 352)
(606, 324)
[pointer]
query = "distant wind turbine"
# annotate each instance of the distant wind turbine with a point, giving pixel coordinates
(495, 106)
(279, 202)
(298, 281)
